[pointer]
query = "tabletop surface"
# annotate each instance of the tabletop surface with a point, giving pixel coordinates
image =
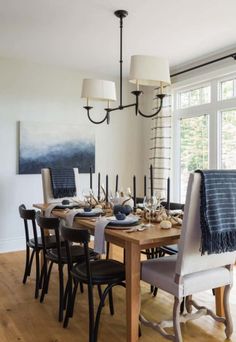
(153, 234)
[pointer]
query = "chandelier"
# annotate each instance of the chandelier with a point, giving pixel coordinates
(144, 70)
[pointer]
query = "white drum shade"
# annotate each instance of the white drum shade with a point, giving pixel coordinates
(99, 90)
(149, 70)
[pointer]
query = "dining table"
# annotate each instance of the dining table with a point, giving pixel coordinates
(133, 243)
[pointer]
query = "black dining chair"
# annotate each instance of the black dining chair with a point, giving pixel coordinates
(34, 246)
(91, 272)
(58, 255)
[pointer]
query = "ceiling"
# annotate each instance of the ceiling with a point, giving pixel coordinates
(85, 34)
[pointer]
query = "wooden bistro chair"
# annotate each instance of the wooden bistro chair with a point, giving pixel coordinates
(92, 273)
(58, 255)
(189, 272)
(33, 244)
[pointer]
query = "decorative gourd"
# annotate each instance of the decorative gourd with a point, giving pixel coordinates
(123, 200)
(123, 209)
(165, 224)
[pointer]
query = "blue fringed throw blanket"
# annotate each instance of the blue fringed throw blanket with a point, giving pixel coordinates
(63, 182)
(218, 211)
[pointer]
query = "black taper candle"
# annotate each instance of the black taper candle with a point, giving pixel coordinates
(99, 185)
(116, 183)
(91, 178)
(106, 188)
(168, 194)
(151, 179)
(134, 193)
(145, 186)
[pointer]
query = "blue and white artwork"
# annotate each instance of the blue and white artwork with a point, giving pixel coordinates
(49, 144)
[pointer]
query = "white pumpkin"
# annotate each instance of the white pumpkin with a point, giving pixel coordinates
(165, 224)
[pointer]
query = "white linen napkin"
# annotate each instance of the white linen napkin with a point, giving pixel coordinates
(49, 209)
(69, 218)
(99, 237)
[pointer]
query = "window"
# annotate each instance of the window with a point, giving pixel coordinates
(228, 139)
(194, 148)
(204, 129)
(194, 97)
(227, 89)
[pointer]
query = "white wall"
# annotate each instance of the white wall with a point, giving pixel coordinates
(32, 92)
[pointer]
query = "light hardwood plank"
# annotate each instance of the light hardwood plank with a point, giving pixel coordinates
(24, 319)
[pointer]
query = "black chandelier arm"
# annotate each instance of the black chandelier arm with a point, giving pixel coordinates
(138, 111)
(121, 107)
(106, 118)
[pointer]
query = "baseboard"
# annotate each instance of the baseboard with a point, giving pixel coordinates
(11, 245)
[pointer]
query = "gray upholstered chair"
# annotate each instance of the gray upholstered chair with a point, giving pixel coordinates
(47, 186)
(189, 272)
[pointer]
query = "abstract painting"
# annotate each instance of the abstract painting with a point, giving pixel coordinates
(49, 144)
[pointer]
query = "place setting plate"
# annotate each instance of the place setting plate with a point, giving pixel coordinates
(67, 206)
(129, 221)
(93, 213)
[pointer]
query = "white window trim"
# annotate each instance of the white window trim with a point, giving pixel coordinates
(213, 109)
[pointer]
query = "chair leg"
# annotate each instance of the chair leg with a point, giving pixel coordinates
(176, 320)
(155, 291)
(99, 310)
(108, 250)
(70, 303)
(148, 253)
(42, 271)
(111, 306)
(61, 293)
(73, 298)
(26, 264)
(182, 306)
(30, 262)
(46, 277)
(49, 274)
(37, 275)
(229, 322)
(100, 306)
(91, 314)
(99, 291)
(139, 331)
(66, 295)
(81, 287)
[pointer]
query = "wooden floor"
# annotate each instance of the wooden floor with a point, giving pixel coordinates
(22, 318)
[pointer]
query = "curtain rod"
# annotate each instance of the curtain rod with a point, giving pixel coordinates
(233, 55)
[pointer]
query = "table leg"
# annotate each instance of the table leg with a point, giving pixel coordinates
(132, 265)
(219, 295)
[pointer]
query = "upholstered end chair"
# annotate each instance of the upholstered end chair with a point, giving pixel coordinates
(47, 186)
(189, 272)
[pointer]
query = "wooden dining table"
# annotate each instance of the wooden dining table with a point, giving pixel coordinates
(133, 243)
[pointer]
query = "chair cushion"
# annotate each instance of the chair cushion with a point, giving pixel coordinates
(77, 254)
(161, 273)
(103, 271)
(50, 242)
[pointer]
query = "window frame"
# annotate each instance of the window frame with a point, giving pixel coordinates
(225, 79)
(212, 109)
(190, 89)
(220, 131)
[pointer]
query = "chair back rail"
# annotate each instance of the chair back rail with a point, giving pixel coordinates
(53, 224)
(82, 236)
(29, 215)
